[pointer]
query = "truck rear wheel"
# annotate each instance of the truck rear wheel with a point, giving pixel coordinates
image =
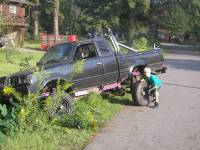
(139, 92)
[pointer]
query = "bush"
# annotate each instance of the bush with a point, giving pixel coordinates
(141, 44)
(7, 120)
(24, 116)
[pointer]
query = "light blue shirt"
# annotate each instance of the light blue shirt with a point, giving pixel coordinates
(153, 80)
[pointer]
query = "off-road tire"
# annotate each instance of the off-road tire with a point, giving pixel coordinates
(139, 91)
(66, 104)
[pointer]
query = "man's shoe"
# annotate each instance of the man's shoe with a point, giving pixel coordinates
(156, 105)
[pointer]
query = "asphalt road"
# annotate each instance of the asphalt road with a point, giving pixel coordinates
(175, 125)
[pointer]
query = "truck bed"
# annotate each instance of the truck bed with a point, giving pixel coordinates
(153, 59)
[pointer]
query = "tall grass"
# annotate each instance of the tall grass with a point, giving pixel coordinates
(69, 132)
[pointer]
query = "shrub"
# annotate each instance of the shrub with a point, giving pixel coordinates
(22, 113)
(141, 44)
(7, 120)
(24, 64)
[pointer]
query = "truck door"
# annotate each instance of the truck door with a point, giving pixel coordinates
(92, 69)
(110, 65)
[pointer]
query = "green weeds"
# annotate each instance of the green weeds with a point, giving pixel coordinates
(36, 131)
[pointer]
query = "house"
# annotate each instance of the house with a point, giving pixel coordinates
(15, 19)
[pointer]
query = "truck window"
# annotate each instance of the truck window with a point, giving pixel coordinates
(104, 47)
(56, 53)
(122, 49)
(110, 44)
(85, 51)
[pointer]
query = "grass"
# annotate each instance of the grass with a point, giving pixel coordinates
(11, 58)
(31, 45)
(64, 137)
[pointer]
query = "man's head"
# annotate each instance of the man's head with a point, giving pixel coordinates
(147, 72)
(81, 52)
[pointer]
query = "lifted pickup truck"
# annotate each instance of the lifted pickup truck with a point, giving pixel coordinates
(107, 66)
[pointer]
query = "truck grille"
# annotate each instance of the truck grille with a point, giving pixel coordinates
(14, 81)
(17, 81)
(2, 80)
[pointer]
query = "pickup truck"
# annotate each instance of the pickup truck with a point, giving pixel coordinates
(107, 66)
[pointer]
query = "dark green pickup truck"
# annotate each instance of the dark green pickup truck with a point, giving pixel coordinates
(107, 66)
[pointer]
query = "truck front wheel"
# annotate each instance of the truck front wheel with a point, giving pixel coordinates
(140, 94)
(63, 102)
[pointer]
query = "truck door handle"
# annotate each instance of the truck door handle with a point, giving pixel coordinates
(99, 63)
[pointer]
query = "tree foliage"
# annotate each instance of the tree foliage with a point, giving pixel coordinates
(125, 17)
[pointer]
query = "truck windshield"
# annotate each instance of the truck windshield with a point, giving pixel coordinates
(56, 54)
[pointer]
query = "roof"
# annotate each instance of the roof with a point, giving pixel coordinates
(24, 2)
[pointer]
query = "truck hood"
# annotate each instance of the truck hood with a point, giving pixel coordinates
(32, 70)
(24, 72)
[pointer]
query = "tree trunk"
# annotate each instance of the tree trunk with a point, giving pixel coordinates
(21, 33)
(131, 32)
(36, 22)
(56, 16)
(36, 26)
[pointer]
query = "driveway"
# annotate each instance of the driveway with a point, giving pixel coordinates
(175, 125)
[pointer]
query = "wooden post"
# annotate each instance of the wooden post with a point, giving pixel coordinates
(21, 33)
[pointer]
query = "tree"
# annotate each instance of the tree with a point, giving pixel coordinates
(178, 22)
(2, 26)
(192, 8)
(133, 18)
(104, 15)
(56, 16)
(171, 16)
(72, 18)
(36, 21)
(46, 16)
(125, 17)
